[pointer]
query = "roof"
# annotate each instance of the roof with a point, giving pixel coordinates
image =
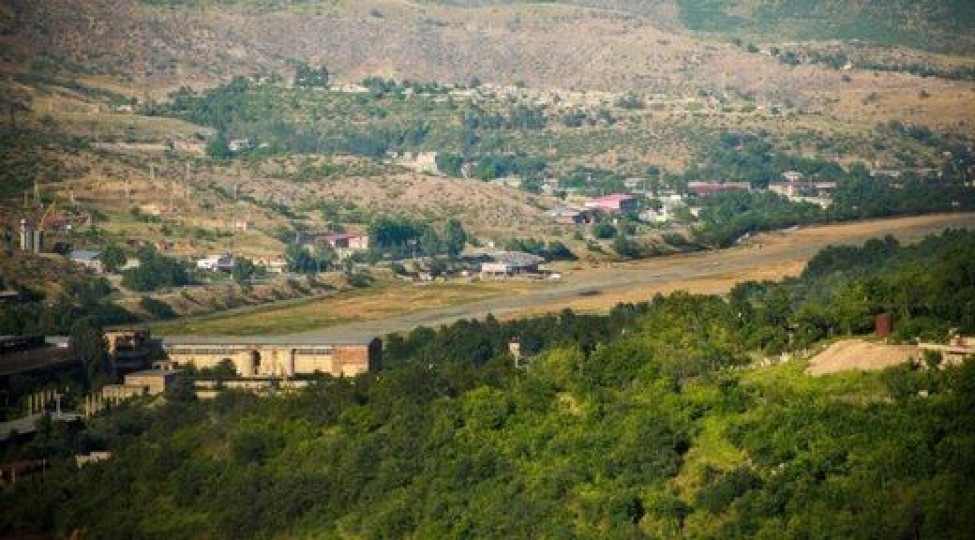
(517, 258)
(614, 198)
(84, 255)
(154, 373)
(703, 188)
(257, 341)
(343, 236)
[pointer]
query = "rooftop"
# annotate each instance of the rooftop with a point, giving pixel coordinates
(613, 198)
(256, 341)
(154, 373)
(517, 258)
(84, 255)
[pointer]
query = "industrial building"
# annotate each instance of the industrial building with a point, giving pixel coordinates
(284, 356)
(147, 382)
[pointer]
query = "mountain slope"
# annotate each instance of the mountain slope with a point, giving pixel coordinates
(587, 45)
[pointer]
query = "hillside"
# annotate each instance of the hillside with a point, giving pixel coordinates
(112, 110)
(685, 416)
(621, 46)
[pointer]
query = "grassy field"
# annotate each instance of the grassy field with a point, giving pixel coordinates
(385, 300)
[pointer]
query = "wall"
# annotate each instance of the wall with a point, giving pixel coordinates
(264, 360)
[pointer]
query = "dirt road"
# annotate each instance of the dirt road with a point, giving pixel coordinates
(767, 256)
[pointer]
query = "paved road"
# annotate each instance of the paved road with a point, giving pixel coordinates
(767, 256)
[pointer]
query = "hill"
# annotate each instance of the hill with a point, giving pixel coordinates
(617, 46)
(113, 110)
(658, 419)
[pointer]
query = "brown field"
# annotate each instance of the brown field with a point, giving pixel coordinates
(387, 300)
(858, 354)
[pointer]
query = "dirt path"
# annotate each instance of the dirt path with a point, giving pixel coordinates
(767, 256)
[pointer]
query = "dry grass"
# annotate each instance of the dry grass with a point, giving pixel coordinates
(857, 354)
(396, 306)
(389, 299)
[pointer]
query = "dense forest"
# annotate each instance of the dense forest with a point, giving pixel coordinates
(650, 421)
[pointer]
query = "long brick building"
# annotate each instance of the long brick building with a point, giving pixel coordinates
(276, 356)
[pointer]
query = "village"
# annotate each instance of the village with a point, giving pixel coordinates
(579, 214)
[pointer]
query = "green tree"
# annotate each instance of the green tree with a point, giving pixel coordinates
(454, 238)
(309, 77)
(300, 259)
(155, 270)
(218, 148)
(603, 230)
(88, 345)
(113, 257)
(244, 270)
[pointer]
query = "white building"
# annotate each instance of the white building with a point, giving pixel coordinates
(217, 263)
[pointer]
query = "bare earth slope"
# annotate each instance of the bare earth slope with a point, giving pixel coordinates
(545, 45)
(852, 354)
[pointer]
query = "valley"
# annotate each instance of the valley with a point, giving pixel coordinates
(487, 269)
(583, 289)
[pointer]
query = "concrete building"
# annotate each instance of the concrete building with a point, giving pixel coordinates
(572, 216)
(129, 349)
(953, 352)
(617, 203)
(89, 259)
(820, 193)
(34, 356)
(152, 381)
(217, 263)
(266, 357)
(706, 189)
(511, 263)
(353, 241)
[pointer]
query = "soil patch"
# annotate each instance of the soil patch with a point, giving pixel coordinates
(859, 354)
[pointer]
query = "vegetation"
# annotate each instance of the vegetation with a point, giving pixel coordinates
(155, 270)
(628, 425)
(81, 298)
(931, 27)
(550, 251)
(302, 260)
(403, 237)
(726, 217)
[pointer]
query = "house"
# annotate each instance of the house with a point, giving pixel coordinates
(820, 193)
(239, 145)
(217, 263)
(792, 176)
(274, 265)
(89, 259)
(572, 216)
(617, 203)
(706, 189)
(148, 382)
(510, 263)
(152, 381)
(354, 241)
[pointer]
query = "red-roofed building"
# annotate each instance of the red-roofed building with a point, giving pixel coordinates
(617, 203)
(704, 189)
(346, 240)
